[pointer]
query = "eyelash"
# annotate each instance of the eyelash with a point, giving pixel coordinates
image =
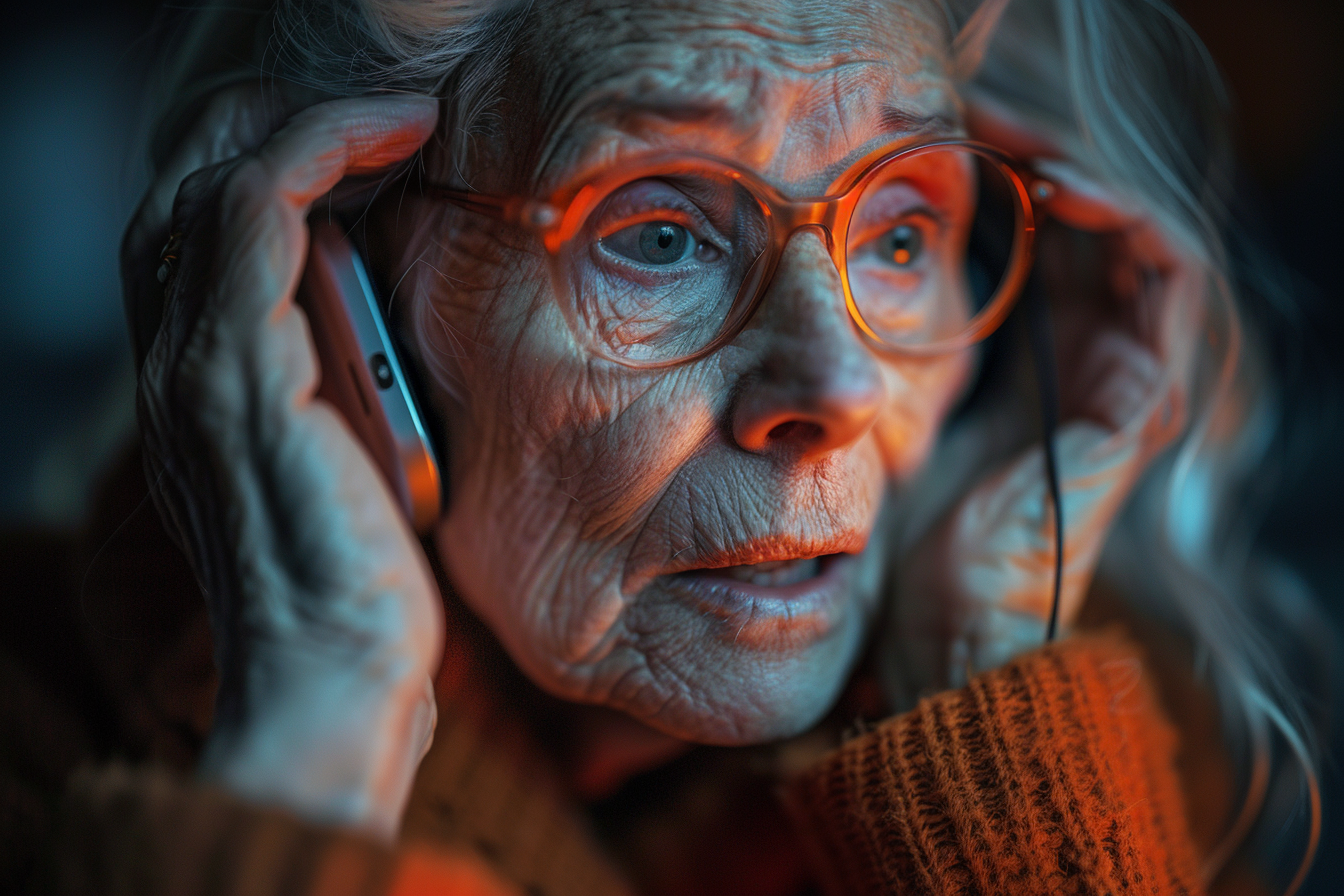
(612, 219)
(937, 225)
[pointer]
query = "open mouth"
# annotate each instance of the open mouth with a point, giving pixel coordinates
(780, 604)
(771, 573)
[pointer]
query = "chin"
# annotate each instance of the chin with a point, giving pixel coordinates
(748, 701)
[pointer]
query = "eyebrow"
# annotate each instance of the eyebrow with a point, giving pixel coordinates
(683, 108)
(893, 121)
(896, 120)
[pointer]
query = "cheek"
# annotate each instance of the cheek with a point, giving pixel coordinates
(508, 395)
(921, 393)
(555, 468)
(465, 283)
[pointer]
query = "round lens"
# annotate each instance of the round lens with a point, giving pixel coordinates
(933, 242)
(652, 271)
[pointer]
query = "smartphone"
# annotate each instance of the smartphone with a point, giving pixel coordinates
(363, 374)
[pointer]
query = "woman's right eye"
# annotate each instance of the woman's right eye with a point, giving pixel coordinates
(654, 243)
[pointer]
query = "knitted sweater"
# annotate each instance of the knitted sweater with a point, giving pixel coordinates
(1050, 775)
(1053, 774)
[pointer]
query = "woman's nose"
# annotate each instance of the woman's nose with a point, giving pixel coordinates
(813, 386)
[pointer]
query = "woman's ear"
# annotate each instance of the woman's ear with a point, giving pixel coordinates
(972, 41)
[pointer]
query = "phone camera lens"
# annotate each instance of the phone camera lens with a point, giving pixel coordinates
(382, 371)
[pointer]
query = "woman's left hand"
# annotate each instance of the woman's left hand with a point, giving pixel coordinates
(975, 589)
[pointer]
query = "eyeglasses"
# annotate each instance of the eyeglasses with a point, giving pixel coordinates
(664, 261)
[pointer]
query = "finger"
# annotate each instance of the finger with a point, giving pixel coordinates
(232, 331)
(237, 120)
(1002, 534)
(247, 343)
(265, 202)
(324, 143)
(978, 588)
(1158, 280)
(1116, 381)
(1084, 203)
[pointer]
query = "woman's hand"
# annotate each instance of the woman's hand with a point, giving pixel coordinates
(326, 619)
(974, 590)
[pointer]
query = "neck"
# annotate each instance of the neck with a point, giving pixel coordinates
(608, 748)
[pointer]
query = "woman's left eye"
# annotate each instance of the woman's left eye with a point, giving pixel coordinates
(656, 243)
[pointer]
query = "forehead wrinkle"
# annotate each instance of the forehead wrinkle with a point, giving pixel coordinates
(839, 115)
(626, 98)
(652, 70)
(824, 31)
(756, 120)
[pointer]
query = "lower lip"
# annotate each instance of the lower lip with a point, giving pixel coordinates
(768, 615)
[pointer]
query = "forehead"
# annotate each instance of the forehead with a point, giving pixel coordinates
(791, 89)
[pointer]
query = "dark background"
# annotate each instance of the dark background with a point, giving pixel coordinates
(71, 83)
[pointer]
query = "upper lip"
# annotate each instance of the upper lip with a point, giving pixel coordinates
(767, 549)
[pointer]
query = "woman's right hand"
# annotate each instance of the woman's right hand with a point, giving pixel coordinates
(326, 619)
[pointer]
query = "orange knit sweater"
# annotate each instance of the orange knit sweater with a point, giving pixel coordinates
(1052, 774)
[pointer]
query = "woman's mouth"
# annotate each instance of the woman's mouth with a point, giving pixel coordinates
(774, 603)
(771, 573)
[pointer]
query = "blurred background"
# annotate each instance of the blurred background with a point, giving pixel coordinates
(72, 74)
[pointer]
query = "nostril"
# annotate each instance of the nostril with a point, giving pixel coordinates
(795, 430)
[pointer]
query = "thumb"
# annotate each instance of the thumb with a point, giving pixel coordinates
(977, 588)
(1125, 408)
(1001, 537)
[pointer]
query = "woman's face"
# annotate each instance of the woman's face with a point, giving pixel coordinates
(699, 546)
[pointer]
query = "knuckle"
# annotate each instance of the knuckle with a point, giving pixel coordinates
(202, 365)
(319, 116)
(189, 378)
(194, 188)
(318, 129)
(247, 189)
(224, 108)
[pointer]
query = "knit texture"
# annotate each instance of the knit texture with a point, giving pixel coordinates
(1053, 774)
(480, 825)
(145, 831)
(482, 788)
(138, 832)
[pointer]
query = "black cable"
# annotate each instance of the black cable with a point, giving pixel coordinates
(1040, 335)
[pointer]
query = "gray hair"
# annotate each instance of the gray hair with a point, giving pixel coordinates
(1144, 111)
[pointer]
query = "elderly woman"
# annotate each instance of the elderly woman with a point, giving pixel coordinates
(699, 292)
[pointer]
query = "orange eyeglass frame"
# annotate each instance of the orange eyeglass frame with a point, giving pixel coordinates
(558, 219)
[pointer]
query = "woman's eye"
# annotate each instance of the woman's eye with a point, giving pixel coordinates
(657, 243)
(661, 242)
(902, 245)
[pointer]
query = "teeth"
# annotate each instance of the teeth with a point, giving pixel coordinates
(774, 572)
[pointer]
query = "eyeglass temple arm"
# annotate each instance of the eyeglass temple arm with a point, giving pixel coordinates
(513, 209)
(483, 203)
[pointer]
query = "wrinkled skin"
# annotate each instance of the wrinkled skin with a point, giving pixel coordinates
(584, 496)
(580, 487)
